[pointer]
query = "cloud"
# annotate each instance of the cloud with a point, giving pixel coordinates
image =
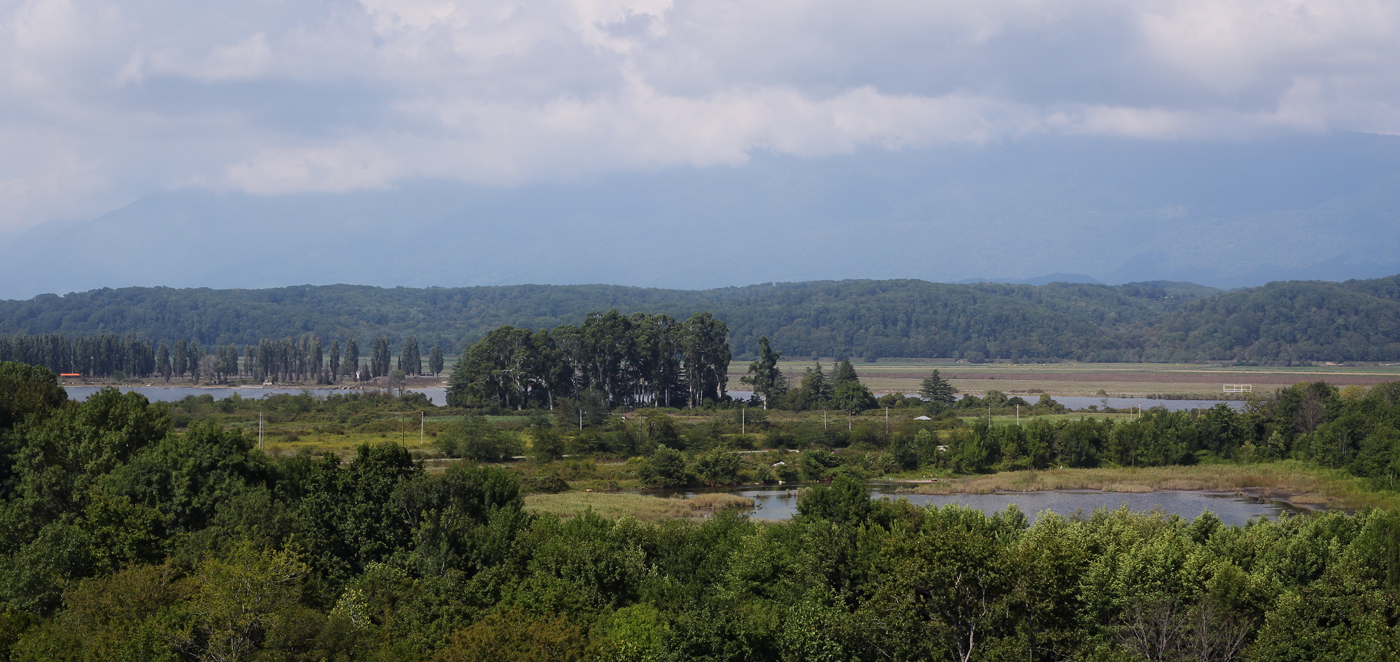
(333, 95)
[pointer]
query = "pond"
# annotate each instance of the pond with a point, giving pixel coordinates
(437, 395)
(781, 504)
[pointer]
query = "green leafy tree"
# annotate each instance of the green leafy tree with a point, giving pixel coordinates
(718, 467)
(181, 362)
(25, 390)
(765, 377)
(435, 360)
(664, 468)
(334, 357)
(854, 397)
(475, 438)
(350, 362)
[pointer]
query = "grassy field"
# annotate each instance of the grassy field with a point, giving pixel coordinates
(1290, 480)
(1087, 379)
(640, 506)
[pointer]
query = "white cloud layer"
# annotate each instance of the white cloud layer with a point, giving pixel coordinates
(102, 101)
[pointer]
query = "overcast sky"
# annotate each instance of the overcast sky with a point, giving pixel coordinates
(103, 101)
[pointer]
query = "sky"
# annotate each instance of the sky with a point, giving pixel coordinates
(104, 103)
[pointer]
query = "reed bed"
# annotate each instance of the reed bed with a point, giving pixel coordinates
(643, 507)
(1289, 480)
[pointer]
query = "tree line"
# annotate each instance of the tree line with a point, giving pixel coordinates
(637, 360)
(1288, 322)
(291, 359)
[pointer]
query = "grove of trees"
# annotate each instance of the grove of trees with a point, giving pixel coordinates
(637, 360)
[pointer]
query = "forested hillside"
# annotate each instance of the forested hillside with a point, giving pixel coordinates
(1156, 321)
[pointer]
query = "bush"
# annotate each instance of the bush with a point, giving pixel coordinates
(548, 483)
(665, 468)
(717, 467)
(475, 438)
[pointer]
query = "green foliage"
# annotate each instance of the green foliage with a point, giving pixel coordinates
(717, 467)
(26, 390)
(634, 361)
(1285, 322)
(476, 439)
(764, 376)
(664, 468)
(127, 540)
(938, 393)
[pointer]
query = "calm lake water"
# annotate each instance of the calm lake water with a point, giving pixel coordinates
(780, 504)
(437, 395)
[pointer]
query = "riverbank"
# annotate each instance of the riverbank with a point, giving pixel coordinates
(1289, 480)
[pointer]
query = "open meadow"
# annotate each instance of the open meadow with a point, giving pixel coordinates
(1088, 379)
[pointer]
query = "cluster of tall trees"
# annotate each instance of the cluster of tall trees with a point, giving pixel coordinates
(637, 360)
(292, 359)
(843, 390)
(94, 356)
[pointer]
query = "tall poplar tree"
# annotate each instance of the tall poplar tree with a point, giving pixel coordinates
(350, 362)
(335, 360)
(163, 361)
(435, 360)
(182, 358)
(410, 360)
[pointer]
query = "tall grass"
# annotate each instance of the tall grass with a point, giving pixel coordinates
(1290, 479)
(613, 505)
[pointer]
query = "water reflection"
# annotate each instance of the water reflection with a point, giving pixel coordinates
(781, 503)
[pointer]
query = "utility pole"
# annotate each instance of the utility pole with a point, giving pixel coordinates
(1018, 414)
(422, 423)
(887, 421)
(580, 420)
(260, 430)
(743, 420)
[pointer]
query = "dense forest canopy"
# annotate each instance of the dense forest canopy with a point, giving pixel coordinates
(1156, 321)
(131, 537)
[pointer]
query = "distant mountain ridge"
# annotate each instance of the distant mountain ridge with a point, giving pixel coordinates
(1031, 211)
(1286, 322)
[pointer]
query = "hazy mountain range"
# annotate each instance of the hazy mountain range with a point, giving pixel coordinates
(1082, 209)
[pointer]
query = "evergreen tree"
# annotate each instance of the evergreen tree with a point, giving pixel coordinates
(816, 384)
(844, 373)
(938, 392)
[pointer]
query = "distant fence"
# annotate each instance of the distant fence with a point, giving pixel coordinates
(1239, 388)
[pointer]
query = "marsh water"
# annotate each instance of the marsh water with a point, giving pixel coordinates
(437, 395)
(781, 503)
